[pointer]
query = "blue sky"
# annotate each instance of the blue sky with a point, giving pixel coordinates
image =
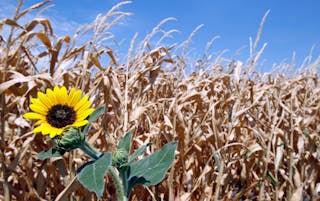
(291, 25)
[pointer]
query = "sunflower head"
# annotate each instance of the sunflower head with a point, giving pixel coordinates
(119, 157)
(57, 109)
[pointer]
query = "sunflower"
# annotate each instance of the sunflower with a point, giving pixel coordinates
(57, 110)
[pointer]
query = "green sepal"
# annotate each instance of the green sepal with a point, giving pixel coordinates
(70, 139)
(91, 174)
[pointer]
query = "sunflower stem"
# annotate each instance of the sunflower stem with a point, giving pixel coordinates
(121, 194)
(90, 150)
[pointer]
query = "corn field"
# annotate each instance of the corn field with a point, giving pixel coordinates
(243, 135)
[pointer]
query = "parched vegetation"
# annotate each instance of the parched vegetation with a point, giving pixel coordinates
(243, 135)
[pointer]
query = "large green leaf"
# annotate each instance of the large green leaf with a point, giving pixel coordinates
(49, 153)
(94, 116)
(152, 169)
(91, 175)
(138, 152)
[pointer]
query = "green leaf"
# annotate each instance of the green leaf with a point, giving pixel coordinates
(91, 175)
(152, 169)
(94, 116)
(49, 153)
(272, 178)
(125, 142)
(138, 152)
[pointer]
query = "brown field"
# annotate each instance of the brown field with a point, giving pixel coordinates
(243, 135)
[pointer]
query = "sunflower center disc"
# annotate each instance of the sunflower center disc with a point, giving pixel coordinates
(60, 116)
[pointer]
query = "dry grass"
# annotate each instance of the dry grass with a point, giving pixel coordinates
(242, 135)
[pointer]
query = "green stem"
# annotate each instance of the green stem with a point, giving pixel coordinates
(123, 172)
(95, 154)
(90, 150)
(120, 188)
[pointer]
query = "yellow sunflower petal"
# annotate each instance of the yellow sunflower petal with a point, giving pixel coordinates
(84, 114)
(59, 131)
(47, 128)
(80, 123)
(56, 91)
(84, 107)
(71, 93)
(51, 95)
(33, 100)
(74, 97)
(37, 129)
(39, 102)
(33, 115)
(81, 103)
(41, 121)
(39, 109)
(63, 95)
(44, 99)
(53, 133)
(41, 129)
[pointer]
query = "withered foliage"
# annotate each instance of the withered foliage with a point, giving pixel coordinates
(242, 135)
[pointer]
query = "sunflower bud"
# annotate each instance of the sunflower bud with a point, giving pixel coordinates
(119, 157)
(70, 139)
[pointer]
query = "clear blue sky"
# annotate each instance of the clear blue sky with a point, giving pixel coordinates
(291, 25)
